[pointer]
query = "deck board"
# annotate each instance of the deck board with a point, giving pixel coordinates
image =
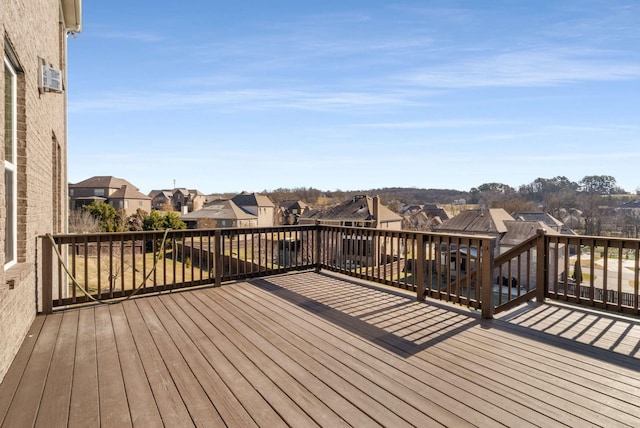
(338, 384)
(312, 409)
(549, 384)
(114, 408)
(436, 386)
(260, 377)
(312, 349)
(26, 401)
(142, 405)
(13, 377)
(57, 393)
(84, 409)
(172, 409)
(201, 333)
(334, 358)
(228, 406)
(199, 406)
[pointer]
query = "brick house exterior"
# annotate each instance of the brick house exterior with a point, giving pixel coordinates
(33, 188)
(117, 192)
(359, 211)
(181, 200)
(130, 200)
(258, 205)
(243, 210)
(220, 213)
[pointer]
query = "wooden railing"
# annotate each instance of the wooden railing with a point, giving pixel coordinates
(78, 268)
(441, 266)
(594, 271)
(515, 272)
(599, 272)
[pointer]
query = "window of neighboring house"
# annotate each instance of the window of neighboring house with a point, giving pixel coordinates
(140, 203)
(70, 192)
(10, 166)
(126, 204)
(98, 192)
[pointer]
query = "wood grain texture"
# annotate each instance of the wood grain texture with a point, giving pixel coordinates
(310, 349)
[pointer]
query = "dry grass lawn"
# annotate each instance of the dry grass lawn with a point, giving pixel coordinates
(129, 274)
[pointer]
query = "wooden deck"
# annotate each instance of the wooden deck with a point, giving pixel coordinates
(311, 349)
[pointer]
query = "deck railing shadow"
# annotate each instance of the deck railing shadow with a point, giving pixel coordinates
(576, 328)
(389, 337)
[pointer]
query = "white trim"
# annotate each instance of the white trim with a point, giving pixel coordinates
(12, 166)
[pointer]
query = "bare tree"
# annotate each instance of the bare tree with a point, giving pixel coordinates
(82, 221)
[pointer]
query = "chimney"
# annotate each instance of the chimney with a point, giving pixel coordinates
(376, 211)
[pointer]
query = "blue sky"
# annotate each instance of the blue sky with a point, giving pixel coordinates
(255, 95)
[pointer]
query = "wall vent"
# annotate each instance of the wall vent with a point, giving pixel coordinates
(51, 79)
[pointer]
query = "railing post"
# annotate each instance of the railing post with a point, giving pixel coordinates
(318, 243)
(541, 267)
(419, 266)
(487, 277)
(47, 275)
(217, 258)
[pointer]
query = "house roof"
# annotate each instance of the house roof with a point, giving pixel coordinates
(184, 191)
(102, 181)
(546, 218)
(128, 192)
(435, 211)
(631, 204)
(245, 199)
(312, 214)
(288, 205)
(168, 193)
(411, 209)
(220, 209)
(519, 231)
(164, 193)
(477, 221)
(359, 208)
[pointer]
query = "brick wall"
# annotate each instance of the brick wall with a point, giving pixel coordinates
(31, 29)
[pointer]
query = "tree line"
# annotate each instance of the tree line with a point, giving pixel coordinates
(102, 217)
(589, 206)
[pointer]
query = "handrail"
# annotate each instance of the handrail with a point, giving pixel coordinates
(107, 265)
(75, 283)
(517, 250)
(515, 274)
(464, 269)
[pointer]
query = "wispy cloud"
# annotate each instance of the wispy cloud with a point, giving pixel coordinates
(376, 84)
(527, 68)
(452, 123)
(239, 99)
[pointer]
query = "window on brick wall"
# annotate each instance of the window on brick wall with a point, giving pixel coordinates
(10, 163)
